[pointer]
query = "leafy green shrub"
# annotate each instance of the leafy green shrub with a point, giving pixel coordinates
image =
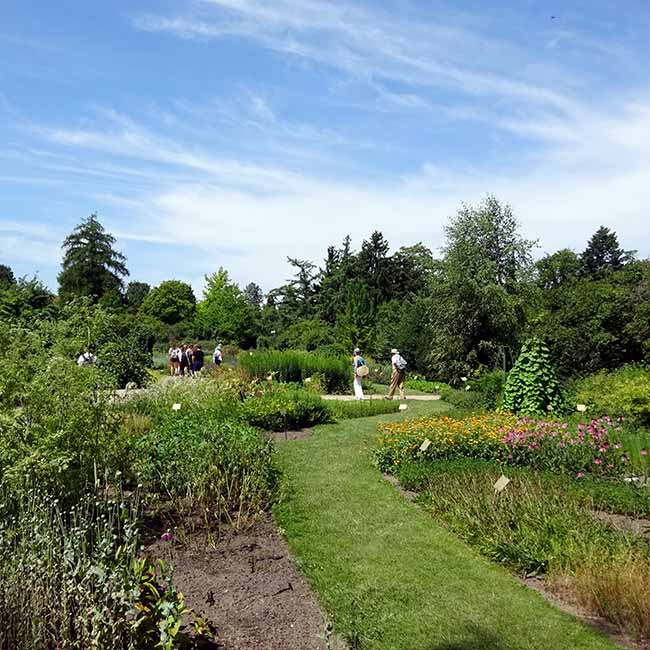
(624, 392)
(64, 435)
(294, 367)
(531, 526)
(426, 386)
(464, 399)
(73, 578)
(285, 408)
(532, 386)
(490, 387)
(125, 362)
(205, 465)
(362, 408)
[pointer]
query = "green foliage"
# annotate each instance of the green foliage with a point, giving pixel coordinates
(284, 408)
(531, 526)
(308, 334)
(135, 294)
(73, 579)
(480, 293)
(463, 399)
(25, 299)
(603, 254)
(225, 313)
(362, 408)
(63, 434)
(91, 267)
(597, 323)
(295, 367)
(620, 393)
(532, 386)
(426, 386)
(7, 276)
(171, 302)
(356, 324)
(202, 464)
(557, 268)
(125, 361)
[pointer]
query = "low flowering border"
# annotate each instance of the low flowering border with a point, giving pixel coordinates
(549, 445)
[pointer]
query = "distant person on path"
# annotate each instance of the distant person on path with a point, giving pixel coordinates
(183, 361)
(87, 358)
(399, 375)
(199, 357)
(172, 353)
(360, 370)
(217, 357)
(189, 351)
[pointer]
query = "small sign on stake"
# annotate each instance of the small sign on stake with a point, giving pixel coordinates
(500, 485)
(403, 407)
(425, 445)
(176, 407)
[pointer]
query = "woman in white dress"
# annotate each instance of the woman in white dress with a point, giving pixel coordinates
(357, 362)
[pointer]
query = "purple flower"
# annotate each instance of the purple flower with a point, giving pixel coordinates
(166, 537)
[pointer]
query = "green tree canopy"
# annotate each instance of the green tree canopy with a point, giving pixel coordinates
(225, 313)
(603, 254)
(171, 302)
(135, 294)
(479, 292)
(6, 275)
(91, 266)
(557, 268)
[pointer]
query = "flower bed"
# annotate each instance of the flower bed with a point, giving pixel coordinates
(556, 446)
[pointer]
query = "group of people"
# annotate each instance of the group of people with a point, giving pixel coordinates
(397, 379)
(188, 359)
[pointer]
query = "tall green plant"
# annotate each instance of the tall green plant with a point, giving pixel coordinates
(532, 386)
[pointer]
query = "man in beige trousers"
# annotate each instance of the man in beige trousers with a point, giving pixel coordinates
(398, 376)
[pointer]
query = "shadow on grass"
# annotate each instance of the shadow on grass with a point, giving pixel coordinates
(474, 637)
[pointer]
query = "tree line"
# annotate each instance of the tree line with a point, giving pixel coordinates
(464, 311)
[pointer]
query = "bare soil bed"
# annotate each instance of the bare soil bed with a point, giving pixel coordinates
(247, 586)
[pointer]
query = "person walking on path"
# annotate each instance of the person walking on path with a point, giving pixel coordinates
(399, 375)
(198, 357)
(360, 370)
(217, 357)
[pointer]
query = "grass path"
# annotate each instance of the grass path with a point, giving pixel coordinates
(389, 576)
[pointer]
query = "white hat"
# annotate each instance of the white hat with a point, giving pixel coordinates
(394, 351)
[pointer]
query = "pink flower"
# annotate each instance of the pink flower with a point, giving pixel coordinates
(580, 474)
(617, 445)
(644, 452)
(597, 461)
(166, 537)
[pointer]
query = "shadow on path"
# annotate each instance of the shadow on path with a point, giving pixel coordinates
(474, 638)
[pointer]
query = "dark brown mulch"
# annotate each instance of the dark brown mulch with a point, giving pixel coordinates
(248, 587)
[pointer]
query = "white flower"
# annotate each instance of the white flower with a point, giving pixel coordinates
(307, 380)
(463, 378)
(467, 387)
(581, 407)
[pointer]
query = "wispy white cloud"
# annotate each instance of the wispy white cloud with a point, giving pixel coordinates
(365, 44)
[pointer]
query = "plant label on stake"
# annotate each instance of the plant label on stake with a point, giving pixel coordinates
(176, 407)
(500, 485)
(425, 445)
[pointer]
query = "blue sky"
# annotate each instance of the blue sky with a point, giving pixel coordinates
(233, 133)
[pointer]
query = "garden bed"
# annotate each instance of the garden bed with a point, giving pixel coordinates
(247, 586)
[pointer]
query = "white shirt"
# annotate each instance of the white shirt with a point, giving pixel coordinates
(394, 359)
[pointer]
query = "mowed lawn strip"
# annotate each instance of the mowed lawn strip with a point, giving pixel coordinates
(387, 574)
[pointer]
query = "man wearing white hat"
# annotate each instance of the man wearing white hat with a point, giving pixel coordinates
(399, 374)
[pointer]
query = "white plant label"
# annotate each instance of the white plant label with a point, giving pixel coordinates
(176, 407)
(425, 445)
(500, 485)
